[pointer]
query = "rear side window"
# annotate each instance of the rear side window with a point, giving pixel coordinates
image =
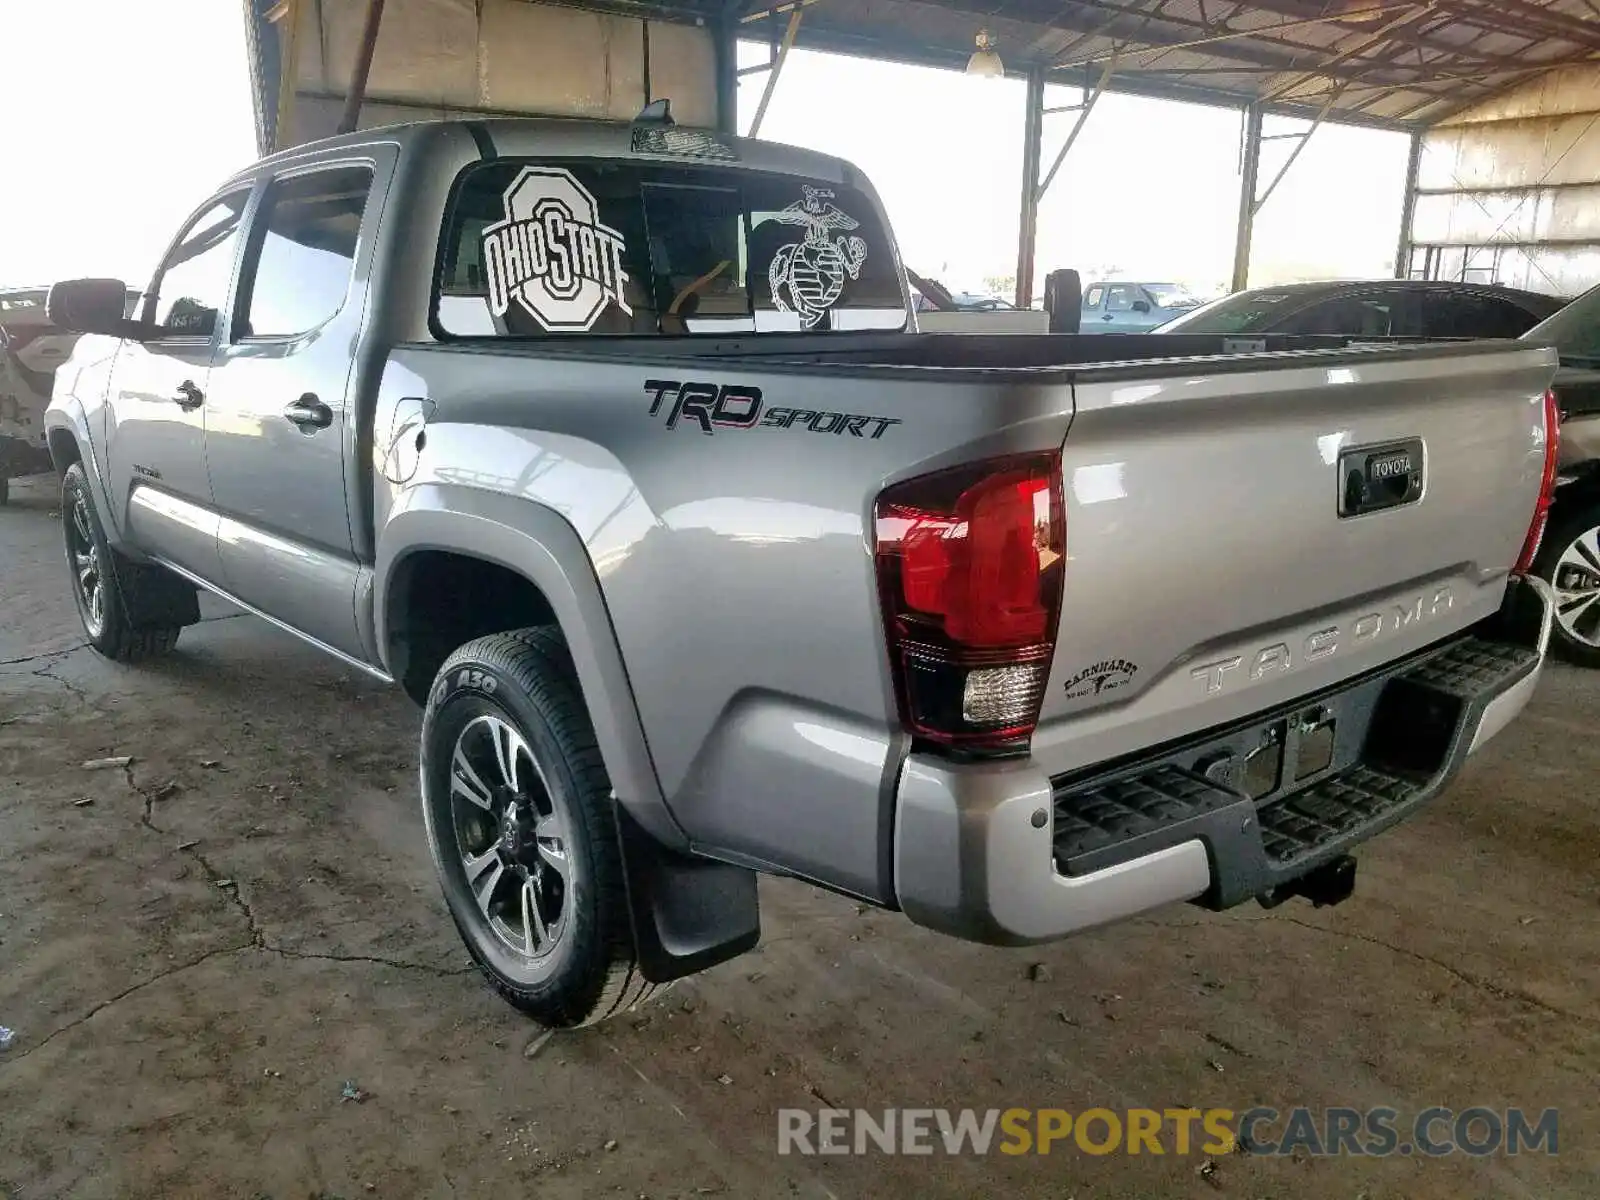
(572, 247)
(193, 284)
(1472, 315)
(303, 252)
(1347, 316)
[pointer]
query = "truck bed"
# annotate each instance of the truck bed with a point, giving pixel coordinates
(1210, 571)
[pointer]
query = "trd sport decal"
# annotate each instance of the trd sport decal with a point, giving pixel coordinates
(552, 255)
(807, 277)
(710, 407)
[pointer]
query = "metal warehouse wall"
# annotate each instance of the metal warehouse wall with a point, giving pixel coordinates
(441, 58)
(1509, 192)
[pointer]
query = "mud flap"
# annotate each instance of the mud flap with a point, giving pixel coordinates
(689, 914)
(153, 596)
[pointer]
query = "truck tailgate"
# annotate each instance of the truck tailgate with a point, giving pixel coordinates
(1218, 562)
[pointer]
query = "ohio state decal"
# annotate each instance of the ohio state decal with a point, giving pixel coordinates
(552, 256)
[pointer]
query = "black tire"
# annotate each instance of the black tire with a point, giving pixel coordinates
(526, 681)
(109, 627)
(1566, 529)
(5, 491)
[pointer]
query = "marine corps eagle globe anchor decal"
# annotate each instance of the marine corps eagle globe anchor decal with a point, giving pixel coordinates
(807, 277)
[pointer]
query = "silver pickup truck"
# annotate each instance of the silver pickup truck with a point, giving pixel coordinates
(617, 448)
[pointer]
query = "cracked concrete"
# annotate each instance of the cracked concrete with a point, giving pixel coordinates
(1498, 990)
(180, 1038)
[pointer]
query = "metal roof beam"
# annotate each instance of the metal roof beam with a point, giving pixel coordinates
(1422, 41)
(1557, 23)
(1281, 90)
(1241, 46)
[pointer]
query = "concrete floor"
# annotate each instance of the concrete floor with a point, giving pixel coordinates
(246, 918)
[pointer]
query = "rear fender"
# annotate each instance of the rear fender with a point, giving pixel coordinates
(538, 544)
(688, 913)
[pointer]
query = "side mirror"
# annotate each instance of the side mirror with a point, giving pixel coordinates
(1141, 306)
(92, 306)
(1063, 300)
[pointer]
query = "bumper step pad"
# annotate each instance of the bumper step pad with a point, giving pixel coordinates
(1328, 812)
(1402, 735)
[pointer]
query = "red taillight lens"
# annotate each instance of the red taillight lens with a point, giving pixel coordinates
(1547, 485)
(970, 565)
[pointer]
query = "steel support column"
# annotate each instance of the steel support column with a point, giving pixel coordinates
(363, 68)
(1249, 174)
(795, 16)
(1032, 150)
(1408, 210)
(284, 16)
(726, 32)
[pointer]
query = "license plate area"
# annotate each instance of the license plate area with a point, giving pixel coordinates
(1375, 479)
(1286, 755)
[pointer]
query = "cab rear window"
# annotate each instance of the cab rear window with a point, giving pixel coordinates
(563, 247)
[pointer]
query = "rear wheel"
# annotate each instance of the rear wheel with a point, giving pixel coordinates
(105, 584)
(520, 823)
(1569, 561)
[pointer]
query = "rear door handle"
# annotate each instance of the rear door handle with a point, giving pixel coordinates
(309, 413)
(189, 396)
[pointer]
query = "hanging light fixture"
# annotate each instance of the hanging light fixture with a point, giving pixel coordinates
(985, 63)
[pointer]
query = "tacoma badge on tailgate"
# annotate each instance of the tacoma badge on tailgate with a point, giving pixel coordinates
(1373, 478)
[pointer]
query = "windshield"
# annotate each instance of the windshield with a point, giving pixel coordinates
(1239, 313)
(561, 247)
(1575, 330)
(1172, 295)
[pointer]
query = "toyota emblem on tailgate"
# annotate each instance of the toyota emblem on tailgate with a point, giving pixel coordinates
(1375, 478)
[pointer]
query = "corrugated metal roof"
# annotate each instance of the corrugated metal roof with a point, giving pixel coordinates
(1394, 62)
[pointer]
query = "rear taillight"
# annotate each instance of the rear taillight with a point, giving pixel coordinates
(970, 564)
(1547, 485)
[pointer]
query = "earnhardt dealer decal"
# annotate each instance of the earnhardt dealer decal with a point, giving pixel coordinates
(807, 277)
(551, 254)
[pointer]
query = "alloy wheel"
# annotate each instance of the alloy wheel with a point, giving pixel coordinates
(1577, 584)
(511, 836)
(88, 575)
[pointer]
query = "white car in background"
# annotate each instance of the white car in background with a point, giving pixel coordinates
(31, 349)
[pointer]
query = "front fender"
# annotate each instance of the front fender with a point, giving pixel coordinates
(538, 544)
(66, 414)
(78, 407)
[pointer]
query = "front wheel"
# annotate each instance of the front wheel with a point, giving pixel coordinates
(520, 823)
(105, 585)
(1569, 561)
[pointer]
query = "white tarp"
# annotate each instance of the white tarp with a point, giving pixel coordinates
(441, 58)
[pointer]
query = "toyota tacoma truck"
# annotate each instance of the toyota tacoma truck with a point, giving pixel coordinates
(617, 448)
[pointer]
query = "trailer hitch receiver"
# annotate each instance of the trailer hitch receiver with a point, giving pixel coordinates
(1330, 884)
